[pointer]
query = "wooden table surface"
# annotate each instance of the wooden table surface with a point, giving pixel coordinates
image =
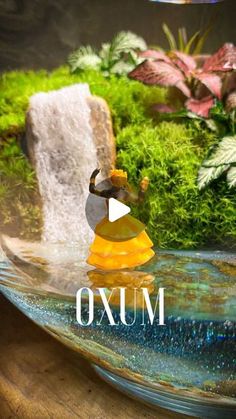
(40, 378)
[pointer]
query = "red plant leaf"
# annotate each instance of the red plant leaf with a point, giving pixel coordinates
(200, 107)
(160, 73)
(223, 60)
(156, 55)
(163, 108)
(184, 62)
(211, 81)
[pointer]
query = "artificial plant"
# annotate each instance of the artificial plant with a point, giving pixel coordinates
(207, 92)
(176, 213)
(221, 157)
(199, 85)
(183, 43)
(119, 56)
(221, 160)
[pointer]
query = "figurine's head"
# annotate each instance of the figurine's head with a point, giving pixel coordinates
(118, 178)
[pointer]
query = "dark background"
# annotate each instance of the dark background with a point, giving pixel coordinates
(41, 34)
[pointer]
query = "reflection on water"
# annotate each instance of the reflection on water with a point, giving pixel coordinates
(195, 350)
(132, 281)
(196, 283)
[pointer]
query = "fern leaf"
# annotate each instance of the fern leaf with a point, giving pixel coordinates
(122, 67)
(231, 177)
(84, 58)
(224, 154)
(123, 43)
(207, 174)
(105, 51)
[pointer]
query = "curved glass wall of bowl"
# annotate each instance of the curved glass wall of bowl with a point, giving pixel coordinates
(188, 365)
(187, 1)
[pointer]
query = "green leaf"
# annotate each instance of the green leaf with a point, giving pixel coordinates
(170, 37)
(220, 160)
(104, 54)
(183, 113)
(218, 112)
(134, 58)
(207, 174)
(122, 43)
(122, 49)
(84, 58)
(122, 68)
(181, 36)
(224, 154)
(232, 118)
(231, 176)
(202, 39)
(127, 42)
(188, 46)
(211, 125)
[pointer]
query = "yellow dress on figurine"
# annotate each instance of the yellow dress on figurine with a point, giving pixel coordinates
(123, 243)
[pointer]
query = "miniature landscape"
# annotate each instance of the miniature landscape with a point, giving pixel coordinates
(170, 115)
(169, 148)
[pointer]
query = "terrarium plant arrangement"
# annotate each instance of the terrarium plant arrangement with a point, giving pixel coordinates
(172, 113)
(174, 121)
(205, 89)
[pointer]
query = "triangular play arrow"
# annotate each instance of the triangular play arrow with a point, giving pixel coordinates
(116, 209)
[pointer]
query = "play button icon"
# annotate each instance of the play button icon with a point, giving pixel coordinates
(116, 210)
(105, 217)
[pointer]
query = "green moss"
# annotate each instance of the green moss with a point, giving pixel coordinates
(128, 100)
(19, 203)
(177, 214)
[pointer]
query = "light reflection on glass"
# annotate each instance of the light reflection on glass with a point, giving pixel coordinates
(187, 1)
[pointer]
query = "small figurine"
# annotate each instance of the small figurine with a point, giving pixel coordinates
(124, 242)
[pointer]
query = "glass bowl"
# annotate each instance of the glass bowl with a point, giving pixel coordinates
(187, 365)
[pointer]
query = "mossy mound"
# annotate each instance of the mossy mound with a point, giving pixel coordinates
(177, 214)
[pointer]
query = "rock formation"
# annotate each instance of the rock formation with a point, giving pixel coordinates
(69, 134)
